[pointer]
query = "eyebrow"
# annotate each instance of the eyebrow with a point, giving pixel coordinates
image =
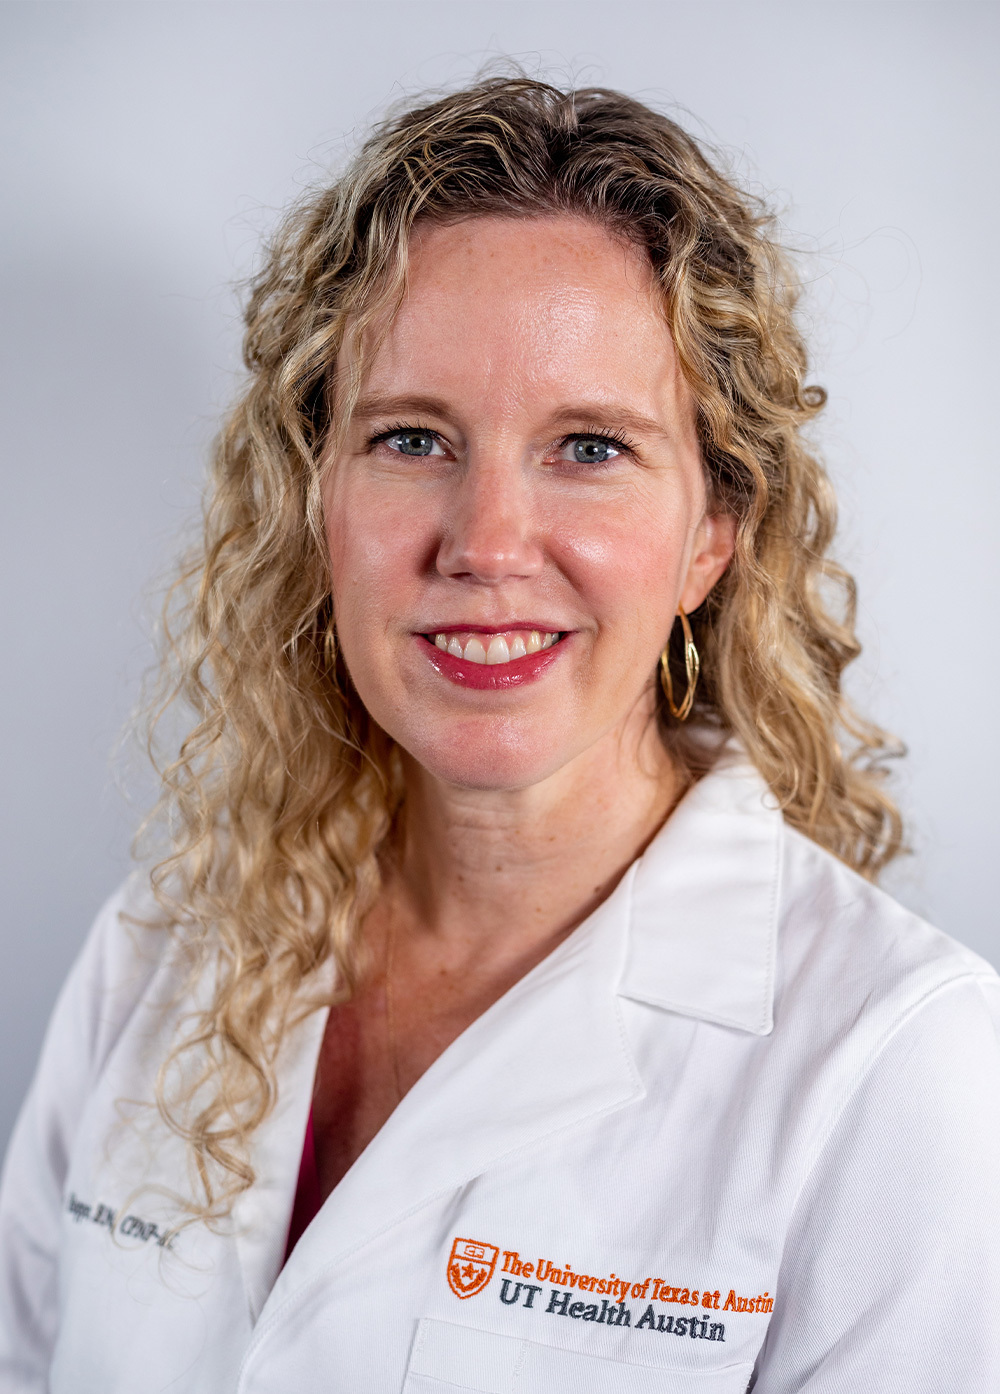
(614, 414)
(610, 414)
(367, 407)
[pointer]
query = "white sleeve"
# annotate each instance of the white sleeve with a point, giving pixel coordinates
(890, 1280)
(87, 1017)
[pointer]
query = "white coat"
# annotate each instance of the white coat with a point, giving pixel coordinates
(741, 1129)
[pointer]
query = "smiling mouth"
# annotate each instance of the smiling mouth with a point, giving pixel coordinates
(496, 648)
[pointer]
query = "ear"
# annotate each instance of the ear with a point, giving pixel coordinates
(714, 544)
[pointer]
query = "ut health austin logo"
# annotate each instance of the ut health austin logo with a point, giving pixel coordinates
(470, 1266)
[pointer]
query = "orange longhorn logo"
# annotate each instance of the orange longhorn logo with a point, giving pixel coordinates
(470, 1266)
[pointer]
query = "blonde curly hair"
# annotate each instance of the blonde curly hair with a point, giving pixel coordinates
(284, 791)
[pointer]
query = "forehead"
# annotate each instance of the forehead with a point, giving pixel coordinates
(525, 307)
(545, 250)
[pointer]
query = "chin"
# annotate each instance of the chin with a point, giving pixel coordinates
(501, 760)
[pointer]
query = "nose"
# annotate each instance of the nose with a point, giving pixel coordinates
(490, 534)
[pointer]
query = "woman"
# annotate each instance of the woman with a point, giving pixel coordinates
(515, 654)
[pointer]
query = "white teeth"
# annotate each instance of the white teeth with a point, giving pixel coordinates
(474, 651)
(495, 648)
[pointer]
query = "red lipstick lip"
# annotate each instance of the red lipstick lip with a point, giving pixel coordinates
(495, 677)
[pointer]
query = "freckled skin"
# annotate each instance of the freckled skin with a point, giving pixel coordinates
(523, 806)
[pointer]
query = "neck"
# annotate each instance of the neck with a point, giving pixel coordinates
(519, 868)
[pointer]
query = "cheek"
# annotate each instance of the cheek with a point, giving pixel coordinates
(626, 561)
(376, 552)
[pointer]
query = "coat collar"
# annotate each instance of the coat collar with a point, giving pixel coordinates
(704, 903)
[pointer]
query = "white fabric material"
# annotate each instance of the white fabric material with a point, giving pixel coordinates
(750, 1086)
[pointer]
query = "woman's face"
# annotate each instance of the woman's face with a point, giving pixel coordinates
(519, 504)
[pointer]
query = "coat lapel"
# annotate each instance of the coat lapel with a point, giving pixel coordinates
(547, 1055)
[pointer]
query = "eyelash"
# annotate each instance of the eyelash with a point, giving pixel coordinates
(617, 438)
(400, 428)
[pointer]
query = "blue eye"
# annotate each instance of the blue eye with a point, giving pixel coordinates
(589, 450)
(413, 442)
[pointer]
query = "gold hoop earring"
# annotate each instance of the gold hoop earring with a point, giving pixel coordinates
(692, 665)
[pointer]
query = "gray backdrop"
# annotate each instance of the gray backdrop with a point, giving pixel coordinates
(147, 146)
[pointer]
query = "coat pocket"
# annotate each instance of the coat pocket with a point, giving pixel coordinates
(460, 1358)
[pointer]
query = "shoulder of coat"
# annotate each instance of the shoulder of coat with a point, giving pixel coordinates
(836, 927)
